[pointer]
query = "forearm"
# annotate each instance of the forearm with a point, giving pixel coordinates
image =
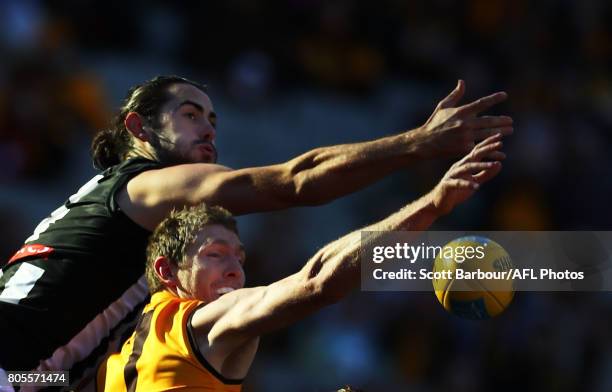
(335, 270)
(326, 278)
(336, 267)
(315, 177)
(326, 173)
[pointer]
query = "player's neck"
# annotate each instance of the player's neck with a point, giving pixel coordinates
(143, 150)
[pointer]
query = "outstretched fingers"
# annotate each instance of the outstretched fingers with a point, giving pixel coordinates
(482, 104)
(461, 183)
(476, 172)
(479, 171)
(486, 126)
(495, 156)
(480, 134)
(454, 97)
(489, 140)
(488, 173)
(491, 122)
(474, 167)
(486, 149)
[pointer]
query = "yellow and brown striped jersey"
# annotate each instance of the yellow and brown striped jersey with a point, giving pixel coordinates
(162, 353)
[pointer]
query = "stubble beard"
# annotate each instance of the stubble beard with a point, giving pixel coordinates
(168, 154)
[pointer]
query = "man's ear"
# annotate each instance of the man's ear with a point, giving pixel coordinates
(135, 125)
(165, 272)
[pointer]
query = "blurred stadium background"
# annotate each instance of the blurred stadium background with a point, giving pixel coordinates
(287, 76)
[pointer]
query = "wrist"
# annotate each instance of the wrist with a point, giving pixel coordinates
(416, 216)
(431, 205)
(417, 146)
(426, 206)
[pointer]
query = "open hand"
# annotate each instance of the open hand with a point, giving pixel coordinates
(465, 176)
(453, 130)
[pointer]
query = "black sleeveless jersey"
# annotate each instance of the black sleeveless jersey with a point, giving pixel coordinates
(78, 261)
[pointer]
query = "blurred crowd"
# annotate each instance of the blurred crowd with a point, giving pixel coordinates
(289, 76)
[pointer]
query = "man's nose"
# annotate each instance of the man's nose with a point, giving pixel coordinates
(234, 271)
(209, 133)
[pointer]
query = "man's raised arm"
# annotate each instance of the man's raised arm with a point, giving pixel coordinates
(235, 318)
(317, 176)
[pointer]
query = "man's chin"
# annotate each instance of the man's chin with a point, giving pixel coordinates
(205, 157)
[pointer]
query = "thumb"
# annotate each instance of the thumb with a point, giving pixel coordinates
(454, 97)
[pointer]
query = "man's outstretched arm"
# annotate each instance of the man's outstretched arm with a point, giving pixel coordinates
(233, 319)
(317, 176)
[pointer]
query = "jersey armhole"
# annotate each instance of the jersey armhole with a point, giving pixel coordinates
(200, 357)
(111, 202)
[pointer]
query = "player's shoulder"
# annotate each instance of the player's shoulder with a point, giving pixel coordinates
(134, 164)
(166, 304)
